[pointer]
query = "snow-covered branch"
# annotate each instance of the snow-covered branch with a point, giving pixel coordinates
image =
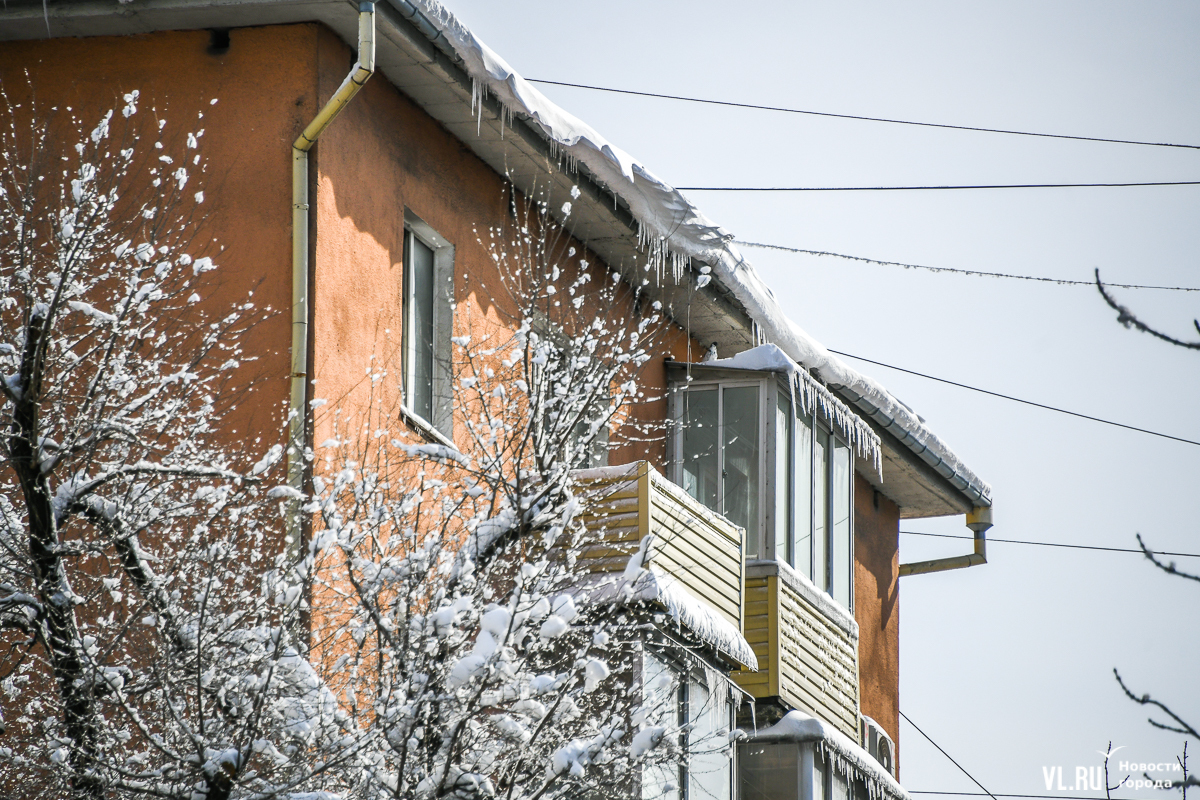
(143, 577)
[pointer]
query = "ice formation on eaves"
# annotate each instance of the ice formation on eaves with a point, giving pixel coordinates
(808, 394)
(674, 230)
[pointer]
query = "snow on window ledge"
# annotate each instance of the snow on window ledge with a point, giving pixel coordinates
(425, 428)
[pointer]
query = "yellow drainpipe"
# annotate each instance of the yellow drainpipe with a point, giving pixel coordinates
(979, 520)
(363, 68)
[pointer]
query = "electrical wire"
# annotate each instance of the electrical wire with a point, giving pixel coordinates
(929, 188)
(1060, 281)
(989, 794)
(1053, 544)
(1019, 400)
(863, 118)
(947, 755)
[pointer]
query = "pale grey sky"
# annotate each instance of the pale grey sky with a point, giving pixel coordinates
(1007, 666)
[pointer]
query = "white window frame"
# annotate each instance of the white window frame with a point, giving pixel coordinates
(686, 674)
(441, 426)
(753, 546)
(813, 775)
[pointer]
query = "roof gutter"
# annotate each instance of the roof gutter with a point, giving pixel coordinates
(978, 492)
(362, 70)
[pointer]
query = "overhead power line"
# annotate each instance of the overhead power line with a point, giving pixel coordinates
(997, 794)
(929, 188)
(1054, 544)
(1017, 399)
(947, 755)
(1060, 281)
(864, 118)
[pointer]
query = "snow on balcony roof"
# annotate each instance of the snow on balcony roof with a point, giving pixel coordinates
(683, 608)
(848, 757)
(808, 394)
(675, 232)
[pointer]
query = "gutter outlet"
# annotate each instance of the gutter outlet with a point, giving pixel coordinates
(979, 520)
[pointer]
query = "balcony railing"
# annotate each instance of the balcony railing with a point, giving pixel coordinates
(806, 644)
(693, 549)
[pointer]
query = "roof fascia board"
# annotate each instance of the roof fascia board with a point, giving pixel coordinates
(957, 502)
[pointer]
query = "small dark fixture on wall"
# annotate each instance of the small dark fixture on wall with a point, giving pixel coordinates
(218, 41)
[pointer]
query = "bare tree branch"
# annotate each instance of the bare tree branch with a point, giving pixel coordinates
(1146, 700)
(1130, 320)
(1170, 568)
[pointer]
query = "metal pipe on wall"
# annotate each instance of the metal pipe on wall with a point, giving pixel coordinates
(979, 520)
(362, 70)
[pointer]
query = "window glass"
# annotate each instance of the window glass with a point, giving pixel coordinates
(820, 505)
(699, 450)
(710, 768)
(841, 788)
(769, 771)
(419, 310)
(783, 482)
(740, 442)
(661, 695)
(802, 504)
(588, 455)
(842, 562)
(818, 777)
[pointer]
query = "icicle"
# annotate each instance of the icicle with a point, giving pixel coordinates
(477, 95)
(858, 433)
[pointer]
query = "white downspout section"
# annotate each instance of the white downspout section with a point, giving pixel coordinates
(362, 70)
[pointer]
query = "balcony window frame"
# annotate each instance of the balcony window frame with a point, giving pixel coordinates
(728, 379)
(689, 675)
(763, 540)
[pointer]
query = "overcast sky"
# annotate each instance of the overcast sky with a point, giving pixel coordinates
(1007, 666)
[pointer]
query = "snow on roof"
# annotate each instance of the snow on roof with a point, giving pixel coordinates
(674, 231)
(847, 756)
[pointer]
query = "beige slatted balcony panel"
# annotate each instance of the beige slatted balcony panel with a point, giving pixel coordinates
(701, 550)
(806, 658)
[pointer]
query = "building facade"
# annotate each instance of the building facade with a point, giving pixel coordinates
(767, 513)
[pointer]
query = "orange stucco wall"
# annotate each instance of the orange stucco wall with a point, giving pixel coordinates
(381, 156)
(263, 90)
(877, 605)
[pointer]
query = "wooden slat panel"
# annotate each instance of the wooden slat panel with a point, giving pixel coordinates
(701, 550)
(691, 569)
(804, 659)
(819, 663)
